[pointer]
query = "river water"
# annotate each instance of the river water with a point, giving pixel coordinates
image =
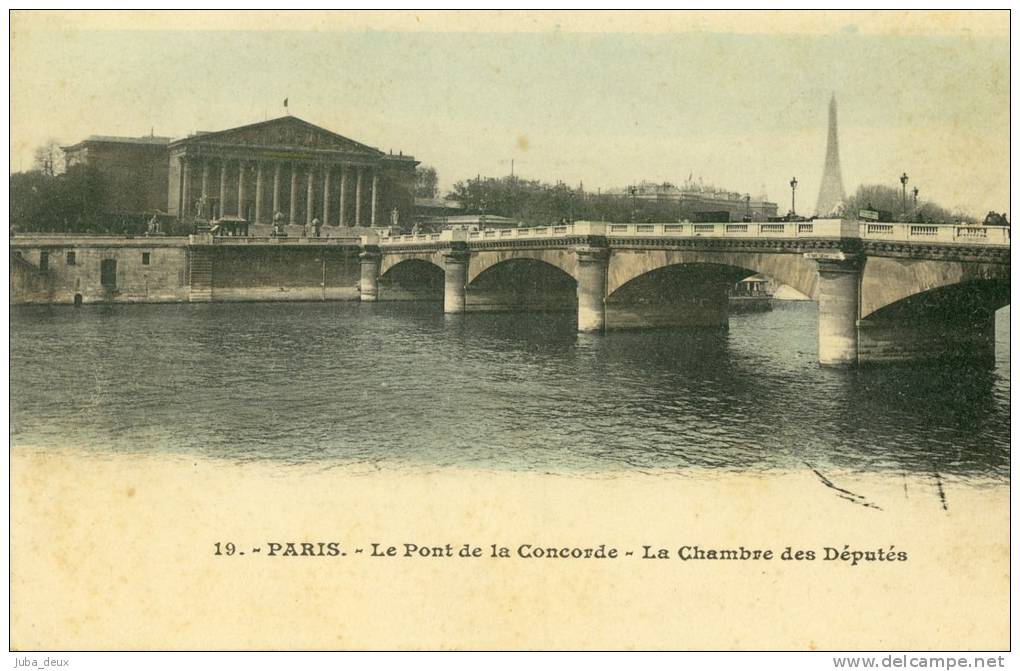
(400, 383)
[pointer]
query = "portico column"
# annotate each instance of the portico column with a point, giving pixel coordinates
(375, 195)
(839, 285)
(357, 198)
(258, 192)
(186, 189)
(370, 259)
(293, 194)
(223, 187)
(592, 266)
(205, 187)
(276, 190)
(310, 200)
(343, 195)
(456, 266)
(240, 189)
(325, 195)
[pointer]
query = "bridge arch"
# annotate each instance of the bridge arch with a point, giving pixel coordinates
(887, 282)
(522, 284)
(966, 301)
(391, 261)
(562, 259)
(951, 321)
(626, 266)
(412, 279)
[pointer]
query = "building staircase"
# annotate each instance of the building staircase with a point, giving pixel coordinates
(200, 276)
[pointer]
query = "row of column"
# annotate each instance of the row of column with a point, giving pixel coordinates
(839, 281)
(309, 180)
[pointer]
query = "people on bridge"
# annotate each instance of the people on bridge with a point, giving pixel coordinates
(995, 219)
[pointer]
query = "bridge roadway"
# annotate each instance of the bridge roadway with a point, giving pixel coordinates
(885, 291)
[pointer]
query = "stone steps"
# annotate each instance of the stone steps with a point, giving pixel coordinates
(200, 276)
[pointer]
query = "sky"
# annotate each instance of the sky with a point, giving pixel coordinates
(739, 100)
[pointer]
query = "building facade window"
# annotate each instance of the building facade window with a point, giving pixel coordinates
(70, 258)
(145, 258)
(44, 260)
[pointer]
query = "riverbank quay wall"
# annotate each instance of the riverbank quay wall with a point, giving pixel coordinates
(272, 269)
(59, 270)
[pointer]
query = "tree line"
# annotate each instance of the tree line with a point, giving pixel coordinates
(536, 203)
(68, 202)
(890, 199)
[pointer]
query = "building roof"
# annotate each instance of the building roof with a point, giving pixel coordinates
(286, 132)
(490, 219)
(155, 140)
(438, 203)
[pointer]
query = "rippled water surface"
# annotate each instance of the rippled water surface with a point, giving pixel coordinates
(390, 382)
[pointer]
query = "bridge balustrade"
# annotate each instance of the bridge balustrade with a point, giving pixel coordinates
(818, 228)
(945, 233)
(269, 240)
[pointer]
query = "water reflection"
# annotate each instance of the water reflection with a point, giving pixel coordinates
(344, 382)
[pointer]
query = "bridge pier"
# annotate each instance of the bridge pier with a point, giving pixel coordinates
(592, 267)
(839, 289)
(969, 336)
(370, 260)
(455, 286)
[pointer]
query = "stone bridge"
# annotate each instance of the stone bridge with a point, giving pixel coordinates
(885, 291)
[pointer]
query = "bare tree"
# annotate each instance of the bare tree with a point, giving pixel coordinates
(49, 158)
(890, 199)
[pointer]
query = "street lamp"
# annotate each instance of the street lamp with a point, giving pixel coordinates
(915, 200)
(793, 196)
(903, 180)
(633, 203)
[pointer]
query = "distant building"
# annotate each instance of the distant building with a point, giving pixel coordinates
(431, 214)
(292, 167)
(134, 171)
(249, 174)
(694, 198)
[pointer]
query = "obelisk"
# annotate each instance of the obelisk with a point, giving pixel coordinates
(831, 194)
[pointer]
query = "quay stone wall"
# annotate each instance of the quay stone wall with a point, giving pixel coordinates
(55, 270)
(285, 273)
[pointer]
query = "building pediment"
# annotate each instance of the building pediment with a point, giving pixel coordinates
(283, 133)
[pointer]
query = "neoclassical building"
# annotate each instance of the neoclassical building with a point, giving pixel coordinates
(290, 167)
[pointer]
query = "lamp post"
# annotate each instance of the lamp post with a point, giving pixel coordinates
(633, 202)
(903, 180)
(915, 200)
(747, 198)
(793, 196)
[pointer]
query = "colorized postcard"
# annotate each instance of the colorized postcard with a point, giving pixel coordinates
(509, 330)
